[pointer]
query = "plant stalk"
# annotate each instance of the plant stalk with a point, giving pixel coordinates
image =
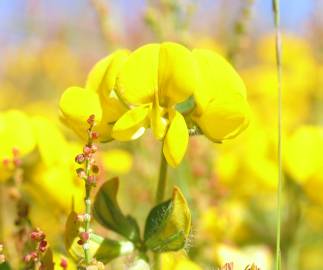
(160, 194)
(162, 181)
(278, 46)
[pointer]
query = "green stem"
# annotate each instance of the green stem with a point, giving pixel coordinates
(87, 201)
(160, 194)
(162, 182)
(279, 89)
(2, 204)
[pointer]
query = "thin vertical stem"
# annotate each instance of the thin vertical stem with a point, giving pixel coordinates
(162, 182)
(2, 204)
(160, 194)
(278, 46)
(87, 202)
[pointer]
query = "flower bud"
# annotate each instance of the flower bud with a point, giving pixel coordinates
(95, 168)
(17, 162)
(6, 162)
(63, 263)
(2, 258)
(84, 236)
(94, 148)
(37, 235)
(94, 135)
(91, 180)
(91, 119)
(80, 158)
(42, 245)
(87, 150)
(81, 173)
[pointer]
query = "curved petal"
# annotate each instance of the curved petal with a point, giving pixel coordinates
(176, 74)
(131, 125)
(176, 140)
(102, 76)
(158, 122)
(102, 79)
(138, 78)
(76, 105)
(224, 118)
(216, 79)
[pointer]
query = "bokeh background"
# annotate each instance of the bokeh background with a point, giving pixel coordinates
(47, 46)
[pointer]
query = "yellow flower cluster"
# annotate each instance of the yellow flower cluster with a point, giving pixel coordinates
(131, 91)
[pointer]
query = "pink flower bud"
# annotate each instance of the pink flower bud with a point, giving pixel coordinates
(84, 236)
(91, 180)
(81, 173)
(17, 162)
(80, 158)
(5, 162)
(27, 258)
(94, 135)
(87, 150)
(37, 235)
(94, 148)
(42, 245)
(63, 263)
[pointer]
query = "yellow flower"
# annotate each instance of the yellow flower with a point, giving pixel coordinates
(129, 93)
(154, 79)
(98, 98)
(303, 153)
(221, 106)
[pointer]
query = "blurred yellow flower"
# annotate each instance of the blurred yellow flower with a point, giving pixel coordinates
(16, 132)
(258, 255)
(117, 161)
(177, 261)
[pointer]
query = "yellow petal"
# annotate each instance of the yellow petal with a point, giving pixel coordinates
(138, 78)
(224, 118)
(176, 74)
(222, 110)
(216, 78)
(102, 76)
(158, 122)
(76, 105)
(176, 140)
(131, 125)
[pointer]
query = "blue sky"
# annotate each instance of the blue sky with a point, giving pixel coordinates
(295, 13)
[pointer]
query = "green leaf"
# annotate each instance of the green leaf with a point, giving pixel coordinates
(108, 213)
(168, 224)
(102, 249)
(47, 260)
(5, 266)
